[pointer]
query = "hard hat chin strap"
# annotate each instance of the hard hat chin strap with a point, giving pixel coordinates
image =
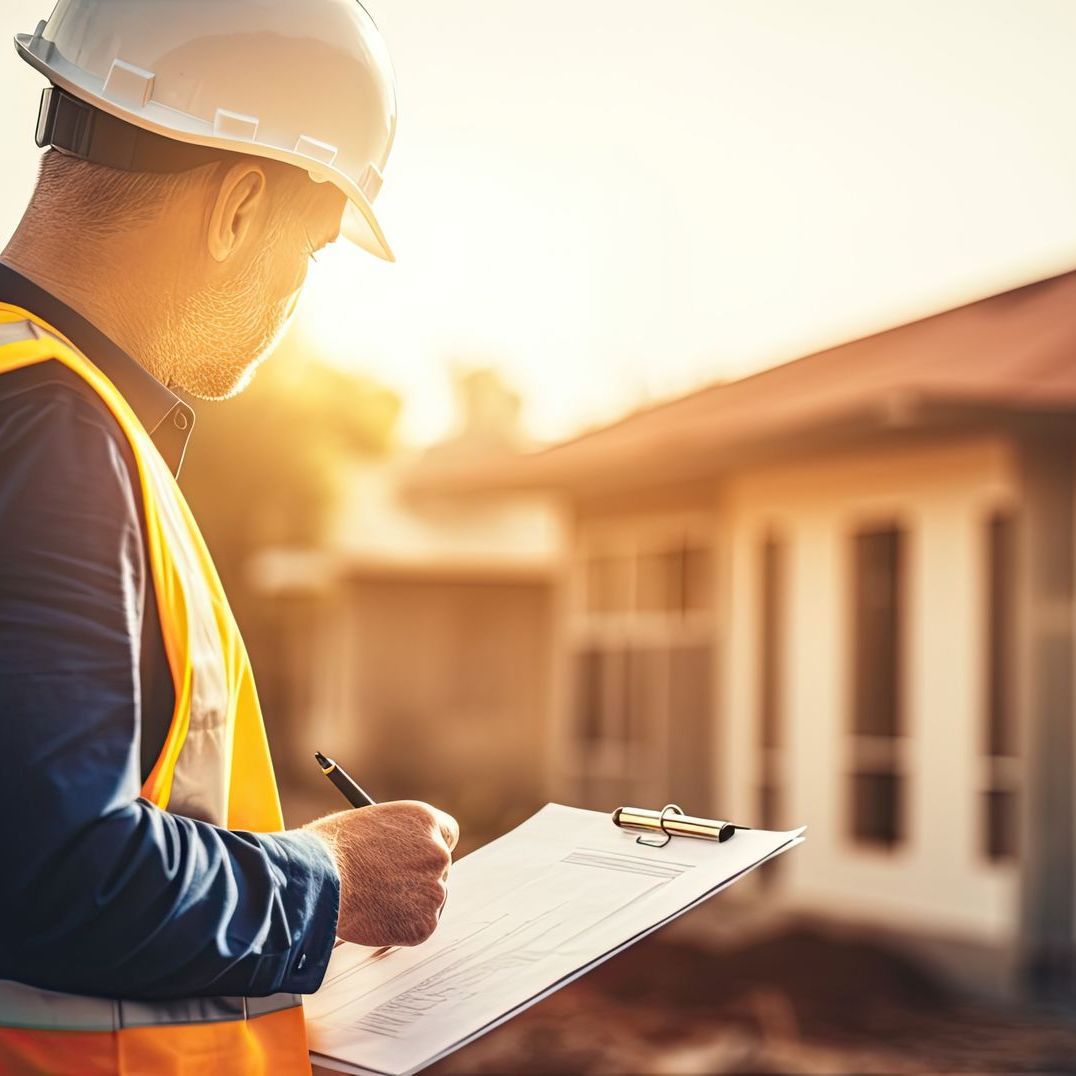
(78, 129)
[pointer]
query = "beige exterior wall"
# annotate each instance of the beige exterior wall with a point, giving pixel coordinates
(446, 692)
(941, 494)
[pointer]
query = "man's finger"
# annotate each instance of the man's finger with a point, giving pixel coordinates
(450, 830)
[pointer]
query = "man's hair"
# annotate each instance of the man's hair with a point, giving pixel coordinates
(102, 201)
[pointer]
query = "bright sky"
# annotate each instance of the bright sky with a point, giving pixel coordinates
(613, 201)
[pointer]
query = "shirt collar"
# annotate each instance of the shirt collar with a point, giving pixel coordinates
(167, 418)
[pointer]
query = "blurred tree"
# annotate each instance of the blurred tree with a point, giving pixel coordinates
(264, 468)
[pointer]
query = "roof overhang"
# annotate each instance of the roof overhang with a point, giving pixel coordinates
(626, 456)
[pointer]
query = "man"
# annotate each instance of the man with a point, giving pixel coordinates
(192, 171)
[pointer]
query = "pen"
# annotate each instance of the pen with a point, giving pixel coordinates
(343, 781)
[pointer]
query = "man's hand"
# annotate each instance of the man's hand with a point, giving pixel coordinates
(393, 861)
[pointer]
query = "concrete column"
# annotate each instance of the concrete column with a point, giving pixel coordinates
(1045, 678)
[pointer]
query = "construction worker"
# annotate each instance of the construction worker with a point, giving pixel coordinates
(196, 155)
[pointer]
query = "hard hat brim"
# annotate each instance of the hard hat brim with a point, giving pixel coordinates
(361, 227)
(359, 223)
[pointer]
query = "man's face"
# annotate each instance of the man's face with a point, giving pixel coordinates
(228, 324)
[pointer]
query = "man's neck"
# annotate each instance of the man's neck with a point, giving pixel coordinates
(113, 302)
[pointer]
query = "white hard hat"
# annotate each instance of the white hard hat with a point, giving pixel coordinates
(308, 83)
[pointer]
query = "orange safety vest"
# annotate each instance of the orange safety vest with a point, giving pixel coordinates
(214, 766)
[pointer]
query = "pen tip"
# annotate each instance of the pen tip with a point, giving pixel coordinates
(322, 760)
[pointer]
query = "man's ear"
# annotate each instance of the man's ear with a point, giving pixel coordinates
(240, 196)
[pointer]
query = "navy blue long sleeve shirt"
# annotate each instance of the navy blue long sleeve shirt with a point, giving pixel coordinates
(100, 891)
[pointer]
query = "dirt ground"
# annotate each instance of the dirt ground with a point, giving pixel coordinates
(799, 1001)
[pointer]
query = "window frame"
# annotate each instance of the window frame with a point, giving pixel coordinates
(870, 751)
(999, 755)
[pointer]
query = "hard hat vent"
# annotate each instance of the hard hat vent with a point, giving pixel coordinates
(370, 181)
(319, 151)
(235, 125)
(128, 85)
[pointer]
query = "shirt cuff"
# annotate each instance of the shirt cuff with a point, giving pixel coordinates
(314, 896)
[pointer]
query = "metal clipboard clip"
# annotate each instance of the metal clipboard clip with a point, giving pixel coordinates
(672, 822)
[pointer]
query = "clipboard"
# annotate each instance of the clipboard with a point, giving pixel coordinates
(672, 822)
(529, 912)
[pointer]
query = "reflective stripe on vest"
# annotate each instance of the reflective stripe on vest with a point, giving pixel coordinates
(28, 1007)
(214, 766)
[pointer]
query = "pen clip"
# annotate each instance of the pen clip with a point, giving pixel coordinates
(661, 823)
